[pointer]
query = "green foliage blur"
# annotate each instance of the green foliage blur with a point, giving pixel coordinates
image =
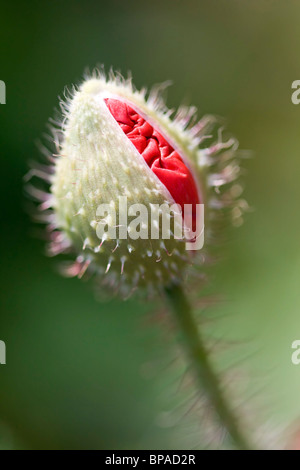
(86, 374)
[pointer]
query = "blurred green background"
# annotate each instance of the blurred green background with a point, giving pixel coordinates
(84, 374)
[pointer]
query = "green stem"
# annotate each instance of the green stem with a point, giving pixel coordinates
(202, 365)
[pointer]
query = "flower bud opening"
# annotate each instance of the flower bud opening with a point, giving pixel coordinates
(160, 156)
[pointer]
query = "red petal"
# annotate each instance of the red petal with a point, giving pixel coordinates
(159, 155)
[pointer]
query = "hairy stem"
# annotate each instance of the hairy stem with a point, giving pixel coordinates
(201, 363)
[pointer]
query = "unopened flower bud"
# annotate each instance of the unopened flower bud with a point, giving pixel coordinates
(128, 185)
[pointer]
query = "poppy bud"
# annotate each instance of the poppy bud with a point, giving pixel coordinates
(127, 182)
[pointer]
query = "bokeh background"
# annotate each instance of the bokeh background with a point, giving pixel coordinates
(88, 374)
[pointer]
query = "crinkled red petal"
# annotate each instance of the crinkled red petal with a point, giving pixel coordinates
(160, 156)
